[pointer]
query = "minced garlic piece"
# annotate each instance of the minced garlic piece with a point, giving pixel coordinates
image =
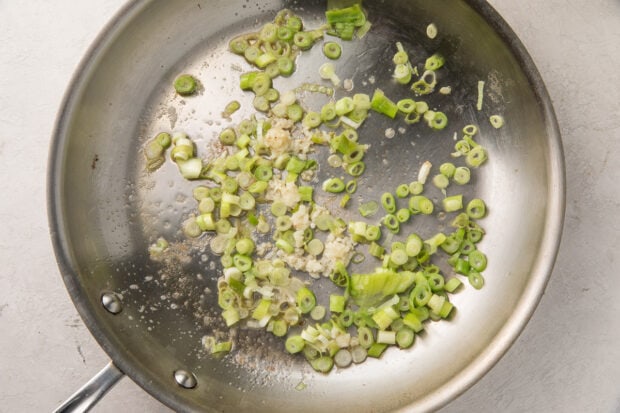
(287, 192)
(300, 218)
(278, 138)
(337, 248)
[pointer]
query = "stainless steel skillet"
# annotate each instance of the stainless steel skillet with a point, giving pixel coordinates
(104, 210)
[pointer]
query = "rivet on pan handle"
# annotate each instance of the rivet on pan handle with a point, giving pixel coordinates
(89, 394)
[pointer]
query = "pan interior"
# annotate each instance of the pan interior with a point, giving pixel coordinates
(109, 211)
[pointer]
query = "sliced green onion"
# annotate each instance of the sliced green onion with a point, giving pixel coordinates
(416, 188)
(414, 245)
(461, 266)
(401, 56)
(403, 215)
(279, 328)
(452, 284)
(398, 257)
(351, 186)
(476, 279)
(422, 87)
(228, 136)
(343, 358)
(388, 202)
(467, 247)
(185, 85)
(380, 103)
(365, 337)
(476, 209)
(286, 65)
(311, 120)
(242, 262)
(333, 185)
(369, 208)
(431, 31)
(328, 112)
(441, 181)
(402, 73)
(376, 350)
(477, 260)
(322, 364)
(476, 157)
(452, 203)
(420, 204)
(294, 23)
(420, 295)
(412, 321)
(285, 33)
(435, 241)
(434, 62)
(474, 235)
(268, 33)
(283, 223)
(406, 106)
(447, 169)
(261, 84)
(245, 246)
(438, 121)
(402, 191)
(303, 40)
(451, 244)
(285, 246)
(480, 95)
(436, 282)
(261, 103)
(200, 193)
(462, 175)
(305, 193)
(315, 247)
(373, 232)
(356, 168)
(318, 313)
(164, 139)
(332, 50)
(344, 105)
(191, 168)
(238, 45)
(305, 300)
(386, 337)
(294, 112)
(328, 72)
(337, 303)
(405, 337)
(278, 208)
(497, 121)
(251, 53)
(470, 130)
(391, 222)
(264, 59)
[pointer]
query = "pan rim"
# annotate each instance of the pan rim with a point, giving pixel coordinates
(524, 310)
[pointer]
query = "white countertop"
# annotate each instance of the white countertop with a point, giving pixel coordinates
(566, 360)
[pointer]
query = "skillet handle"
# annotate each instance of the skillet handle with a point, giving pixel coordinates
(89, 394)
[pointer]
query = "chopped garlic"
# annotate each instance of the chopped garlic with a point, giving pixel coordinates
(298, 236)
(424, 171)
(278, 138)
(301, 218)
(337, 248)
(280, 190)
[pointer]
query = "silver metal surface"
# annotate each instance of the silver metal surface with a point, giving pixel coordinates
(112, 303)
(88, 395)
(185, 379)
(105, 211)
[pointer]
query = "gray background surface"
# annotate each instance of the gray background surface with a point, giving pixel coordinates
(568, 357)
